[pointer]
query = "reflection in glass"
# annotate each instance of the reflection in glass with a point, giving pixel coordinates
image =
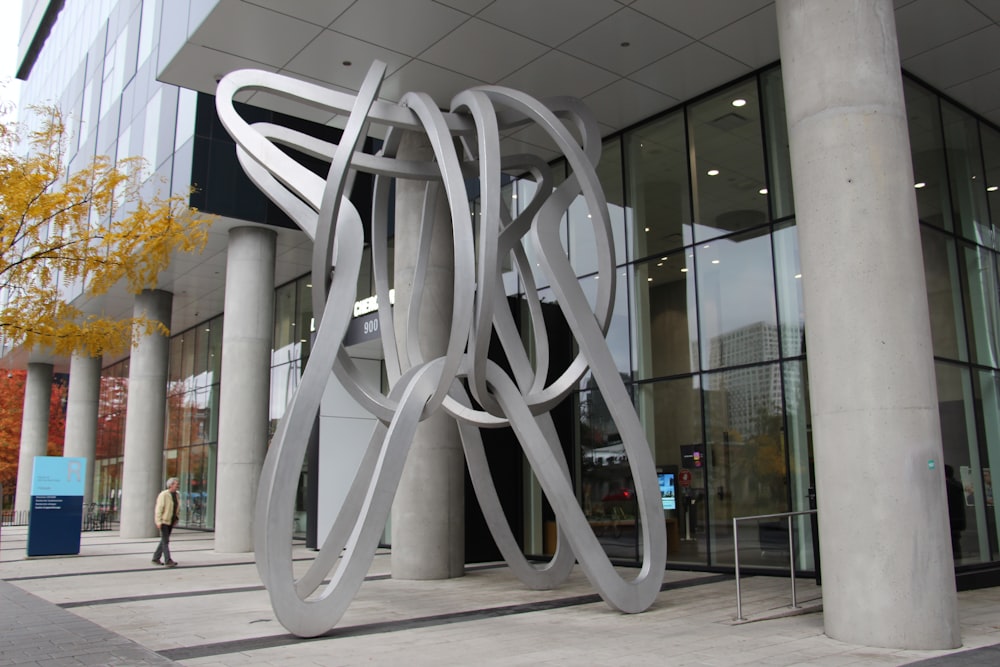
(800, 458)
(747, 472)
(944, 294)
(788, 278)
(606, 490)
(966, 512)
(582, 247)
(727, 164)
(991, 159)
(778, 158)
(664, 313)
(930, 178)
(965, 166)
(736, 308)
(987, 403)
(659, 191)
(670, 412)
(617, 336)
(982, 308)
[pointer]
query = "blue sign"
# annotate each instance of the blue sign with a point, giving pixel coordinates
(57, 487)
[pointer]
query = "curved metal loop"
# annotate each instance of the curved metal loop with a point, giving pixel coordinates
(463, 382)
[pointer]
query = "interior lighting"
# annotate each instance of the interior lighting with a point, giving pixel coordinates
(762, 191)
(647, 229)
(684, 270)
(992, 188)
(713, 172)
(739, 102)
(798, 275)
(715, 261)
(919, 185)
(649, 280)
(658, 264)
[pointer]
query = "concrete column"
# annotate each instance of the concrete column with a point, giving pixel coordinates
(34, 429)
(142, 474)
(245, 386)
(428, 514)
(888, 575)
(81, 414)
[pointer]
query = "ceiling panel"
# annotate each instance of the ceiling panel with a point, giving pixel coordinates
(926, 24)
(319, 12)
(200, 67)
(551, 22)
(959, 60)
(255, 33)
(483, 51)
(753, 40)
(323, 59)
(690, 71)
(557, 73)
(698, 19)
(408, 27)
(625, 102)
(625, 42)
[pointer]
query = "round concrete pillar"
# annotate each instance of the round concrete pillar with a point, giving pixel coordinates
(142, 469)
(245, 385)
(428, 514)
(34, 429)
(81, 414)
(888, 575)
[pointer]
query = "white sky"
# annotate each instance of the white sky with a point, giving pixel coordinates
(10, 22)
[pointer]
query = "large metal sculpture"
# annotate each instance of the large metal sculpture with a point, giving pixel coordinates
(464, 382)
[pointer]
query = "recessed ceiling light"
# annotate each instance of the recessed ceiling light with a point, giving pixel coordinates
(649, 280)
(713, 172)
(715, 261)
(739, 102)
(625, 44)
(919, 185)
(762, 191)
(798, 275)
(659, 263)
(647, 229)
(992, 188)
(684, 270)
(347, 63)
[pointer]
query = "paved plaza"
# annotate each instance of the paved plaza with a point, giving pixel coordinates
(110, 606)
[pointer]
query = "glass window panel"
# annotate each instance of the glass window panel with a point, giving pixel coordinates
(930, 177)
(788, 278)
(617, 336)
(987, 393)
(304, 315)
(747, 472)
(606, 489)
(982, 311)
(779, 161)
(965, 167)
(800, 458)
(670, 411)
(944, 297)
(215, 349)
(727, 162)
(991, 158)
(659, 193)
(582, 244)
(284, 321)
(664, 312)
(736, 304)
(963, 465)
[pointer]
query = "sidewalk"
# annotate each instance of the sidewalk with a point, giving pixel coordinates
(109, 606)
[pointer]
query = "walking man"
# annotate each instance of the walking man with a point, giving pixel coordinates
(165, 518)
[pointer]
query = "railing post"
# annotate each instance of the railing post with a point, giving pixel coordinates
(736, 558)
(791, 560)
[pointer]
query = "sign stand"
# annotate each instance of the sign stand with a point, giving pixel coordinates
(56, 518)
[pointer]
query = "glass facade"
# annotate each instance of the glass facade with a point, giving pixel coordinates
(955, 164)
(707, 331)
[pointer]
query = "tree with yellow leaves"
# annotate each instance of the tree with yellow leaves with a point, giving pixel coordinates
(63, 234)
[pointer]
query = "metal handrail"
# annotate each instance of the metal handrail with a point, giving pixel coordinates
(791, 552)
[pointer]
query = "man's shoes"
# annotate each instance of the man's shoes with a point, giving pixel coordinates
(170, 563)
(157, 562)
